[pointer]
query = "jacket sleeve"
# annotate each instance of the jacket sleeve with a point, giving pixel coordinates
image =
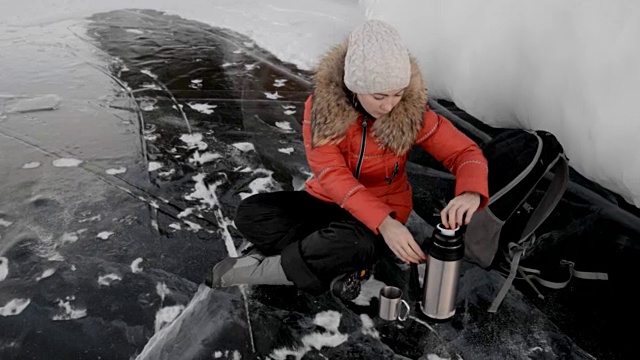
(458, 153)
(331, 172)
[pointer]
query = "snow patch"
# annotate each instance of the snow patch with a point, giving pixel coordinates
(435, 357)
(167, 315)
(194, 141)
(273, 96)
(116, 171)
(370, 289)
(192, 226)
(167, 173)
(104, 235)
(368, 326)
(330, 320)
(261, 184)
(154, 165)
(31, 165)
(243, 169)
(66, 162)
(186, 212)
(45, 274)
(196, 83)
(162, 290)
(203, 108)
(106, 280)
(203, 192)
(91, 219)
(284, 125)
(245, 146)
(147, 104)
(14, 307)
(68, 238)
(135, 266)
(4, 268)
(287, 151)
(149, 86)
(204, 158)
(149, 73)
(69, 313)
(235, 355)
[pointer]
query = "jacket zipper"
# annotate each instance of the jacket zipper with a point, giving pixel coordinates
(393, 174)
(362, 147)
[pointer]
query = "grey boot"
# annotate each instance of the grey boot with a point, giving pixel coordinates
(253, 268)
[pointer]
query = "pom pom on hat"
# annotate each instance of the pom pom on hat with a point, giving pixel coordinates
(377, 60)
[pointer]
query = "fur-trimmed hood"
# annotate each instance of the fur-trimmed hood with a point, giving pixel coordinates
(333, 112)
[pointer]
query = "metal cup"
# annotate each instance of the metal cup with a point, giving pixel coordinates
(391, 304)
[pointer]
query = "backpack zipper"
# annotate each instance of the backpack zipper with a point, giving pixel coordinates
(362, 147)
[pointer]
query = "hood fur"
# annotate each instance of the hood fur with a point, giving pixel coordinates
(332, 110)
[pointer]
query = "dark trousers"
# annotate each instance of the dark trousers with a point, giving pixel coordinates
(317, 240)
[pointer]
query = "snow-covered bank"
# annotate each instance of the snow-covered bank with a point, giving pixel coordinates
(569, 67)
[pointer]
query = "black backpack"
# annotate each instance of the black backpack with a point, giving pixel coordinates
(503, 233)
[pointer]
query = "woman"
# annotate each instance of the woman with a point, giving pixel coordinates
(367, 111)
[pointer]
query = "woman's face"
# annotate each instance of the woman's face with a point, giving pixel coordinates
(380, 104)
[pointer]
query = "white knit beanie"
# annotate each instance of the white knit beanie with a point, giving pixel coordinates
(377, 60)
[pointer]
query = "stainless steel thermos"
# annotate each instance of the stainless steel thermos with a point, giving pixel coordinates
(444, 252)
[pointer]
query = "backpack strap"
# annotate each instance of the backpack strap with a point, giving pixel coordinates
(551, 198)
(518, 249)
(533, 274)
(522, 174)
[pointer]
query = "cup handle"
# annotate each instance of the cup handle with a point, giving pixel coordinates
(407, 310)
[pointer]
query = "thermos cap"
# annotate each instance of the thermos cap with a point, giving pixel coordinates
(447, 232)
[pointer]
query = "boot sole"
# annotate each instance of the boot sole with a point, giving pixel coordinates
(338, 290)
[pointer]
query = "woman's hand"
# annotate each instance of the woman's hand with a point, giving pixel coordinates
(400, 241)
(460, 208)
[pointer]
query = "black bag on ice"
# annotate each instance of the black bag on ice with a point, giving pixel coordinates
(502, 234)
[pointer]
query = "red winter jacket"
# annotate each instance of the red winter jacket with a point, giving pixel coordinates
(360, 163)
